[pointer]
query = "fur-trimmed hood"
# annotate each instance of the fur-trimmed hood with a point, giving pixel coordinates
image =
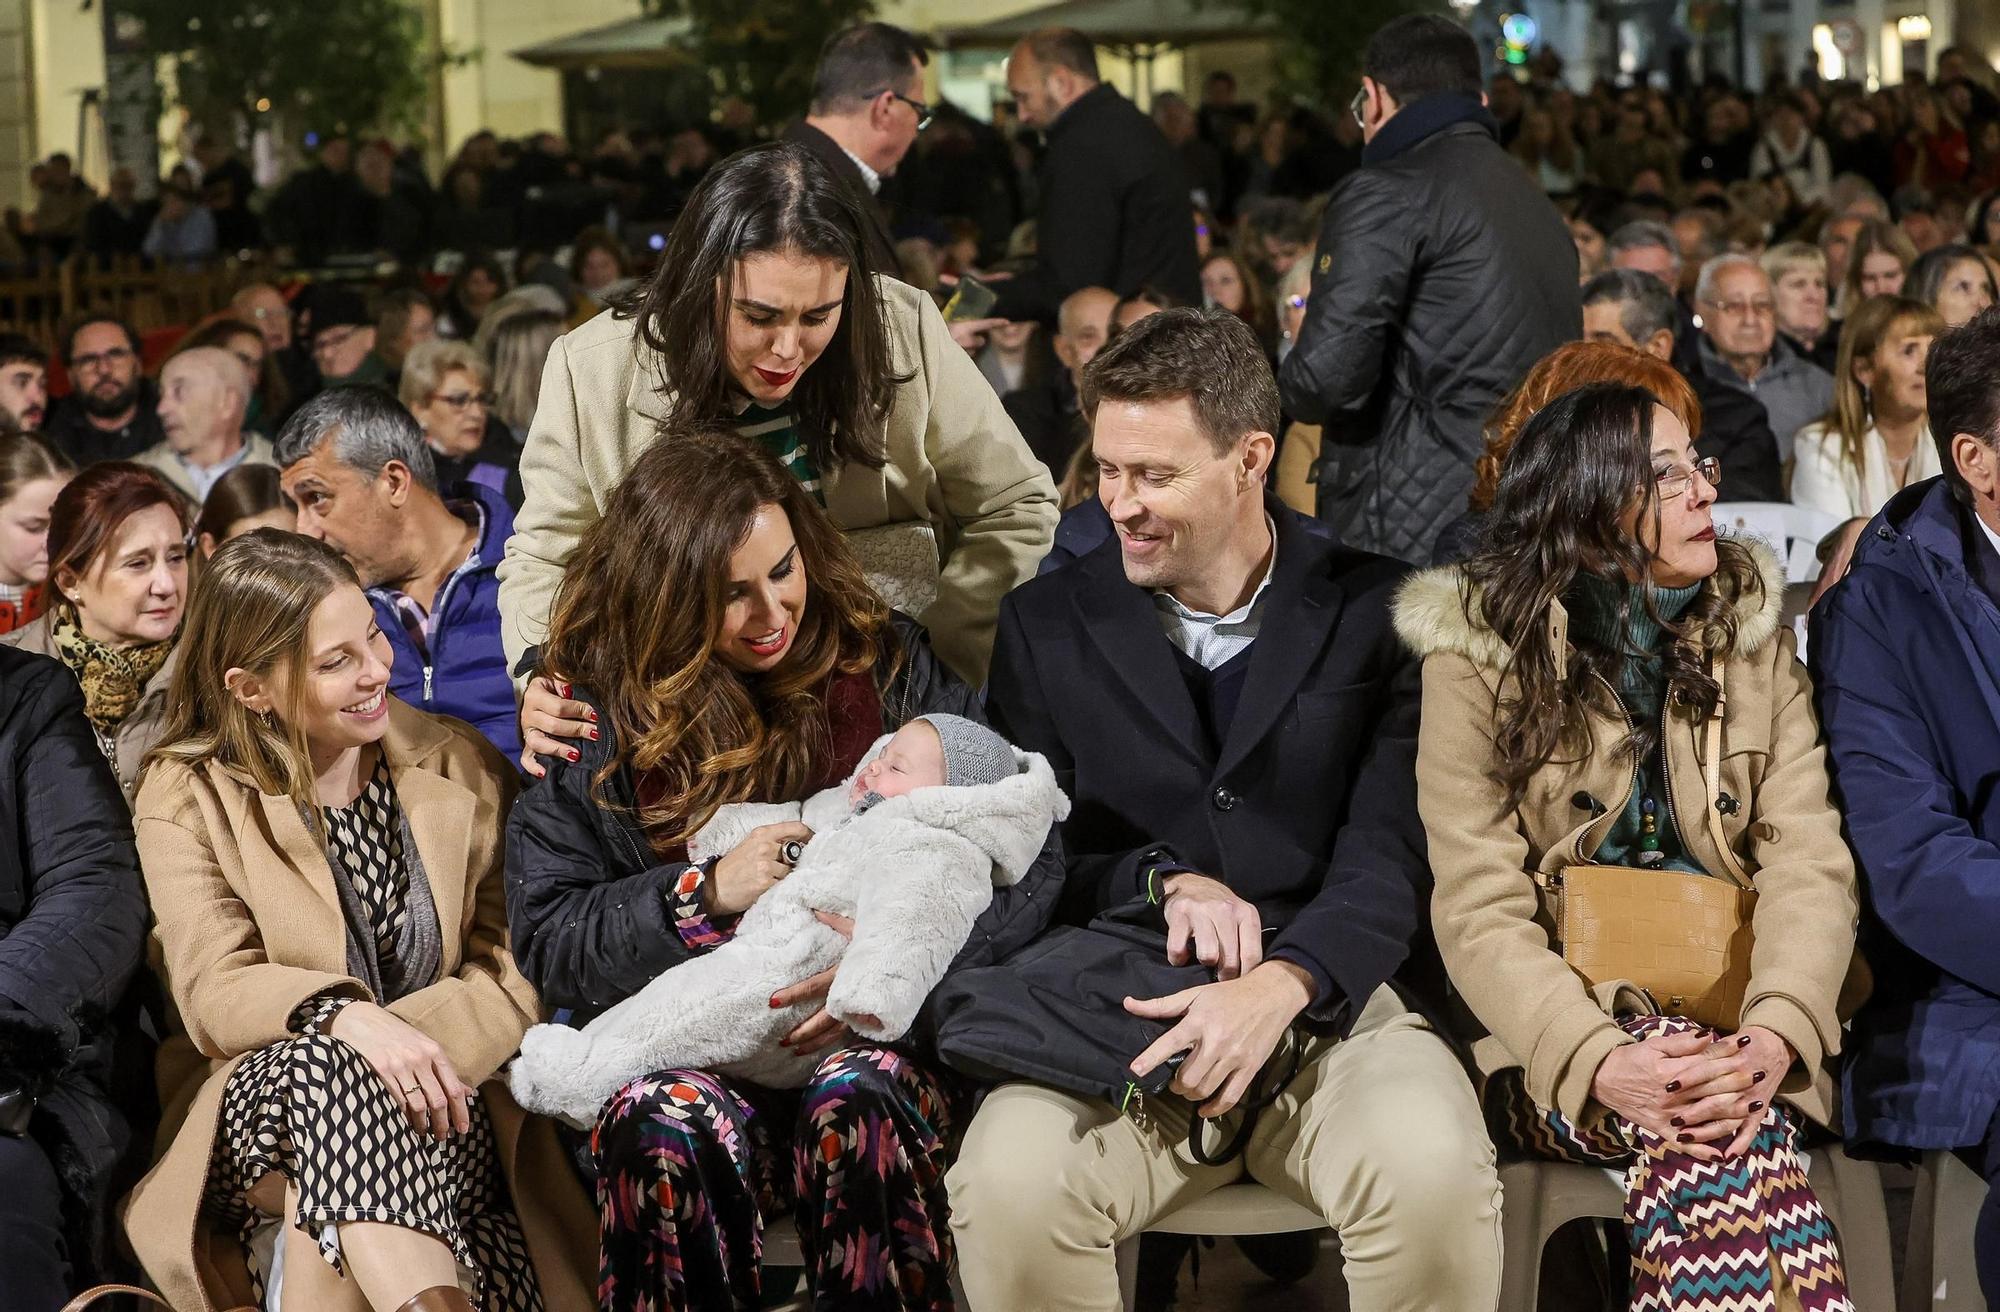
(1432, 611)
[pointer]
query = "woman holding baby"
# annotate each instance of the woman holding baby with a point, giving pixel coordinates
(722, 634)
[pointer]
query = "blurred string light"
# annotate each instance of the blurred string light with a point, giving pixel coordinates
(1518, 31)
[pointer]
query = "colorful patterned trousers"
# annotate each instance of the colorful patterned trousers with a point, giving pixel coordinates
(689, 1165)
(1702, 1234)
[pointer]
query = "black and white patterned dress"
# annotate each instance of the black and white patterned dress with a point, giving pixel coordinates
(315, 1111)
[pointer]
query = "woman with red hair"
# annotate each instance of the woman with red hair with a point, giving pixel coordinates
(118, 570)
(1564, 369)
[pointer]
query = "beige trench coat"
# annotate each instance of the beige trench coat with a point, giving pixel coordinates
(249, 926)
(1786, 832)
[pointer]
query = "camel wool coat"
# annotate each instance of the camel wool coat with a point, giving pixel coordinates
(954, 464)
(249, 926)
(1485, 905)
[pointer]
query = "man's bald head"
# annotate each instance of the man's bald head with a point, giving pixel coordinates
(1083, 322)
(264, 305)
(204, 393)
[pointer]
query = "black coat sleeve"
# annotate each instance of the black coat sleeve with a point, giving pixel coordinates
(590, 924)
(1356, 933)
(1092, 881)
(1361, 280)
(66, 961)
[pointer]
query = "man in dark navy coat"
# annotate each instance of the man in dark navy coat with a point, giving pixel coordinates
(1906, 658)
(1224, 699)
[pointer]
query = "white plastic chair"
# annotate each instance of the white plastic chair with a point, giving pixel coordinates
(1542, 1197)
(1247, 1208)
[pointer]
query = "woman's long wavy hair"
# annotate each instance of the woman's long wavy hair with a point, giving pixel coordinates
(768, 199)
(1574, 474)
(641, 609)
(252, 610)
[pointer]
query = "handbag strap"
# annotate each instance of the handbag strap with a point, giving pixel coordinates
(1252, 1107)
(89, 1296)
(1711, 773)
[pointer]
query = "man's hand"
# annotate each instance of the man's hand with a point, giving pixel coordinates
(1228, 1031)
(1206, 922)
(971, 333)
(818, 1030)
(549, 721)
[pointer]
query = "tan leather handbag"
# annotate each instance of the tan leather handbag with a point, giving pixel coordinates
(1683, 938)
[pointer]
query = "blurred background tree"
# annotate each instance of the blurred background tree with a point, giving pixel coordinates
(764, 50)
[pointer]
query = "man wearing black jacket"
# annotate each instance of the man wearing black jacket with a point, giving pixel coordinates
(1116, 210)
(1443, 274)
(1224, 700)
(867, 109)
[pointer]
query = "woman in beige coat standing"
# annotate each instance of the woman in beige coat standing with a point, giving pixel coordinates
(1574, 715)
(325, 869)
(767, 315)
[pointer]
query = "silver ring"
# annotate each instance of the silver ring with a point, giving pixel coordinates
(791, 851)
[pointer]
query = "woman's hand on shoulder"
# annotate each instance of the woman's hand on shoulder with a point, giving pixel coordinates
(550, 722)
(751, 868)
(419, 1075)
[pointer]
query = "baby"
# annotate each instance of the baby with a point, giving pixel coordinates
(910, 848)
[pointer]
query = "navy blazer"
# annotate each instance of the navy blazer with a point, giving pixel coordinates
(1309, 810)
(1906, 659)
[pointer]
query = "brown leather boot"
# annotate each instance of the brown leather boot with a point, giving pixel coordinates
(439, 1298)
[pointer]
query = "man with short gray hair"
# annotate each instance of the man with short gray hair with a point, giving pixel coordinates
(357, 466)
(1648, 247)
(204, 394)
(1739, 346)
(1636, 309)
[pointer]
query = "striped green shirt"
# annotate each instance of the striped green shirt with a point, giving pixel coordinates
(780, 436)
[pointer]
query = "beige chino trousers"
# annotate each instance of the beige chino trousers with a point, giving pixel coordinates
(1380, 1133)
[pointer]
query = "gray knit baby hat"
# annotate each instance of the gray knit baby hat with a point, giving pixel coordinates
(973, 753)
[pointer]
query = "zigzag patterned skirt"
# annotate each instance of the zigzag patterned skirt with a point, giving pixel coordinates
(1703, 1235)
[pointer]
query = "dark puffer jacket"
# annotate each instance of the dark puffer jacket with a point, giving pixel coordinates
(1442, 275)
(586, 896)
(72, 929)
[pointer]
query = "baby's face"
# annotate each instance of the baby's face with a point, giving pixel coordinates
(913, 759)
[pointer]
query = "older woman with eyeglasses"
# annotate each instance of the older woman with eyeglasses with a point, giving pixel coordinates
(446, 386)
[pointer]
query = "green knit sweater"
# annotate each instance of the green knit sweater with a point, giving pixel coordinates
(1593, 619)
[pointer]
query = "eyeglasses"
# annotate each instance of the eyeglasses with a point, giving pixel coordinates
(1761, 309)
(1676, 481)
(924, 112)
(106, 360)
(463, 400)
(1356, 105)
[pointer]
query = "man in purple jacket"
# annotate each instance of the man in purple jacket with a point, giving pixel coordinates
(357, 466)
(1906, 656)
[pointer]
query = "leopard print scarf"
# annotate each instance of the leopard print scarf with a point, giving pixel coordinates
(113, 678)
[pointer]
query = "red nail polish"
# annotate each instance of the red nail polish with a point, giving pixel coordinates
(565, 691)
(1758, 1078)
(593, 735)
(592, 715)
(775, 1004)
(575, 755)
(1673, 1086)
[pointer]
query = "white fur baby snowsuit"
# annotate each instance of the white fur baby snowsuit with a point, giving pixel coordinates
(912, 872)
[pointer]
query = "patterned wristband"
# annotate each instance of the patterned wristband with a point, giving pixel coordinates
(690, 916)
(315, 1014)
